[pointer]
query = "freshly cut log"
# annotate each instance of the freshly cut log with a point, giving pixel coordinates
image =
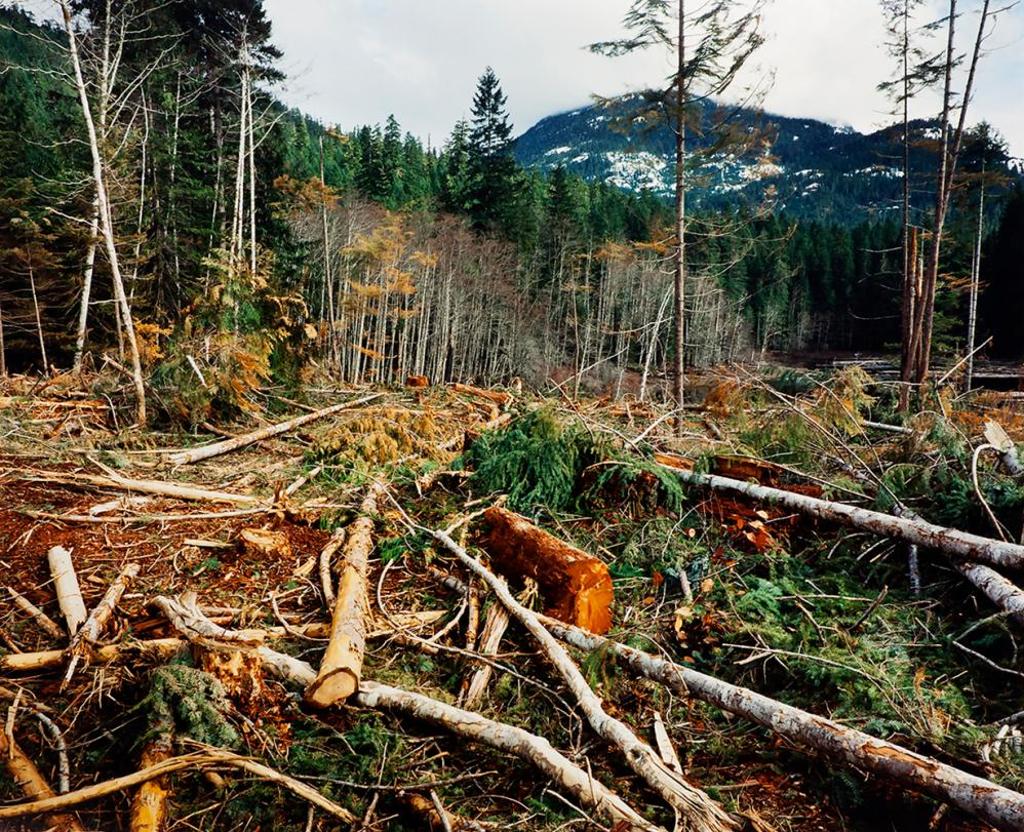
(69, 593)
(160, 489)
(233, 444)
(700, 813)
(98, 618)
(499, 397)
(576, 586)
(24, 773)
(970, 547)
(342, 664)
(149, 806)
(994, 804)
(476, 728)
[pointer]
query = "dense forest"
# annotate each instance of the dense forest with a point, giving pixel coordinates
(254, 240)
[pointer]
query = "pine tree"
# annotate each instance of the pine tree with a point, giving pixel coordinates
(492, 167)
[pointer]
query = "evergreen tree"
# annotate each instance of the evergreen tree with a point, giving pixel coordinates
(492, 167)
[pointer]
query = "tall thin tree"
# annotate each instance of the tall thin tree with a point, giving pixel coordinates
(711, 46)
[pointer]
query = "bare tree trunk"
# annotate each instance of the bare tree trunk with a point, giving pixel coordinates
(972, 312)
(994, 804)
(90, 266)
(106, 220)
(680, 259)
(35, 307)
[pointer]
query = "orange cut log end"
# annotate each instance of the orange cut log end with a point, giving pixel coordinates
(576, 587)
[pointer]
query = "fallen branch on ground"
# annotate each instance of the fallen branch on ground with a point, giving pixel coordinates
(98, 618)
(208, 758)
(24, 772)
(228, 445)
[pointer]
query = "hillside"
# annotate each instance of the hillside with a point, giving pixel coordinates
(807, 168)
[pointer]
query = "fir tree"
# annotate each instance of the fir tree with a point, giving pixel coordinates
(492, 167)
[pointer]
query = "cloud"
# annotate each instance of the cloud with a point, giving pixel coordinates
(356, 61)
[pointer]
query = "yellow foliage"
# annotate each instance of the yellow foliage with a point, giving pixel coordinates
(148, 336)
(381, 435)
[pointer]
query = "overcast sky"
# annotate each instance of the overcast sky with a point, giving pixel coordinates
(353, 62)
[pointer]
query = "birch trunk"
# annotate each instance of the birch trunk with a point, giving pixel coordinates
(982, 798)
(106, 218)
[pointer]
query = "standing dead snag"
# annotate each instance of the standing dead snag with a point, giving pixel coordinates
(576, 586)
(700, 812)
(342, 664)
(839, 744)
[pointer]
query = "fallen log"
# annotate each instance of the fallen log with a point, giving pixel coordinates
(24, 773)
(158, 488)
(342, 664)
(187, 457)
(994, 804)
(499, 397)
(69, 593)
(576, 586)
(159, 650)
(529, 747)
(149, 805)
(699, 811)
(970, 547)
(970, 552)
(90, 632)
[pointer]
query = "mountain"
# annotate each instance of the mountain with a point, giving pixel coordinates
(802, 166)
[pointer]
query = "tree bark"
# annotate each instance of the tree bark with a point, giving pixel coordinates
(982, 798)
(969, 547)
(342, 665)
(575, 585)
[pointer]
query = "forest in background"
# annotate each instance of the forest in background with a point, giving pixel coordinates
(375, 257)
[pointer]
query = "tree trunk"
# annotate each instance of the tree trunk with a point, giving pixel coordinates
(342, 665)
(680, 259)
(972, 311)
(24, 773)
(576, 586)
(106, 218)
(233, 444)
(994, 804)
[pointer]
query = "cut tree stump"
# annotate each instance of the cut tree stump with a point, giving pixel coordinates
(342, 664)
(575, 586)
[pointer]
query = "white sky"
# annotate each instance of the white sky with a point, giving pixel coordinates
(355, 61)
